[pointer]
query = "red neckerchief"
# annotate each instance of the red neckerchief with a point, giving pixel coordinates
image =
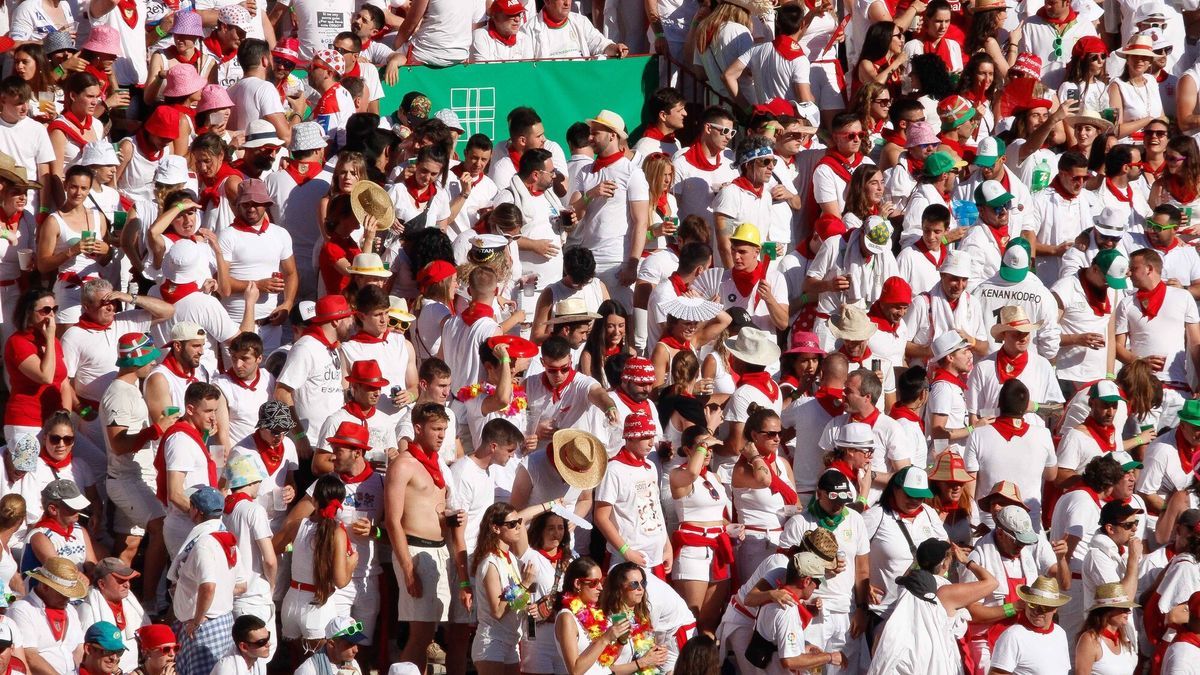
(355, 478)
(1010, 367)
(65, 531)
(1104, 434)
(1184, 635)
(604, 162)
(1125, 197)
(893, 77)
(634, 406)
(1059, 25)
(554, 24)
(787, 48)
(12, 222)
(1181, 191)
(662, 206)
(679, 284)
(1187, 454)
(143, 147)
(1010, 427)
(924, 249)
(678, 344)
(187, 111)
(624, 456)
(778, 485)
(1097, 300)
(746, 281)
(358, 412)
(87, 324)
(1151, 301)
(943, 375)
(173, 292)
(514, 156)
(1090, 492)
(495, 35)
(210, 193)
(841, 465)
(745, 184)
(57, 619)
(419, 194)
(842, 165)
(1158, 171)
(556, 393)
(696, 156)
(612, 351)
(240, 224)
(129, 14)
(976, 96)
(866, 355)
(554, 557)
(56, 464)
(317, 334)
(232, 500)
(302, 172)
(73, 127)
(368, 339)
(894, 137)
(228, 544)
(353, 70)
(942, 49)
(875, 314)
(476, 311)
(100, 75)
(429, 461)
(762, 381)
(160, 457)
(999, 234)
(869, 420)
(214, 46)
(328, 103)
(191, 60)
(831, 401)
(272, 455)
(1023, 620)
(118, 610)
(172, 364)
(1168, 248)
(1058, 187)
(901, 412)
(656, 134)
(248, 386)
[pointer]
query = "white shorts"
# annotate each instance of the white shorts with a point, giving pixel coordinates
(68, 299)
(134, 505)
(487, 646)
(298, 611)
(433, 566)
(359, 600)
(693, 563)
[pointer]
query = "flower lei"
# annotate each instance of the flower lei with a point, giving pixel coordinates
(642, 638)
(519, 400)
(595, 623)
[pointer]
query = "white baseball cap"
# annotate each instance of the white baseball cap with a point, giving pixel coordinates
(957, 264)
(914, 481)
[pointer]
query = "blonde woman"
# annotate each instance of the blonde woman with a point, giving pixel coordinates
(664, 211)
(723, 37)
(351, 167)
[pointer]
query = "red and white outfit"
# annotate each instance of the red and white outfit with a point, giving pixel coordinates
(988, 375)
(698, 177)
(182, 449)
(630, 485)
(487, 44)
(88, 350)
(762, 511)
(1014, 450)
(313, 371)
(20, 226)
(79, 132)
(1168, 467)
(1085, 442)
(776, 68)
(946, 49)
(256, 253)
(948, 396)
(919, 266)
(832, 176)
(740, 289)
(605, 226)
(1155, 322)
(892, 444)
(280, 461)
(333, 108)
(1180, 262)
(461, 336)
(228, 70)
(702, 552)
(809, 418)
(126, 614)
(244, 397)
(1084, 311)
(1059, 218)
(53, 634)
(891, 554)
(381, 428)
(564, 406)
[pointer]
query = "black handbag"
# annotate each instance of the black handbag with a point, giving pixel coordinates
(760, 651)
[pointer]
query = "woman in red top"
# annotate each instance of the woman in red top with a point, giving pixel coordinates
(34, 361)
(339, 249)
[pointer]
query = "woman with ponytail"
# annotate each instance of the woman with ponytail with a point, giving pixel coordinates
(500, 570)
(322, 560)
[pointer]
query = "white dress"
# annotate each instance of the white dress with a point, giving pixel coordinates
(1139, 102)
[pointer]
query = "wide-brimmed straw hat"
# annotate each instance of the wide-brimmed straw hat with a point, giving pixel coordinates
(1091, 118)
(1139, 45)
(950, 468)
(61, 575)
(367, 198)
(15, 174)
(579, 457)
(1013, 317)
(1043, 592)
(1112, 596)
(852, 323)
(754, 346)
(571, 310)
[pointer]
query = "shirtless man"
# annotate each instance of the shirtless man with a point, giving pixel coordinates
(415, 513)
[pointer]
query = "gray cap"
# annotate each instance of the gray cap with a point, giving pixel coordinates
(65, 492)
(56, 41)
(1015, 521)
(307, 136)
(24, 452)
(207, 500)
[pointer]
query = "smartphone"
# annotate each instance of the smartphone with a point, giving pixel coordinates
(876, 364)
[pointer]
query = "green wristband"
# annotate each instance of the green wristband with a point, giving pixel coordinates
(970, 429)
(464, 584)
(60, 72)
(624, 548)
(1036, 407)
(1009, 610)
(378, 534)
(158, 30)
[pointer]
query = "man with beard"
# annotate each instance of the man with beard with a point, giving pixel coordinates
(311, 379)
(254, 97)
(948, 306)
(986, 244)
(992, 164)
(1013, 361)
(1096, 436)
(1122, 170)
(1058, 215)
(1013, 285)
(366, 383)
(259, 149)
(1180, 263)
(1108, 231)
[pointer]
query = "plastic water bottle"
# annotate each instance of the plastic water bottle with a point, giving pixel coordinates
(1041, 175)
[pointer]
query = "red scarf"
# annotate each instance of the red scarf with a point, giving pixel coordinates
(272, 455)
(1062, 191)
(779, 486)
(317, 334)
(901, 412)
(1000, 234)
(361, 476)
(1184, 635)
(56, 464)
(924, 249)
(240, 224)
(1097, 300)
(210, 194)
(73, 127)
(65, 531)
(358, 412)
(607, 161)
(679, 284)
(1168, 248)
(831, 401)
(869, 420)
(1151, 301)
(1010, 427)
(302, 172)
(118, 610)
(1059, 25)
(556, 393)
(57, 619)
(173, 292)
(678, 344)
(653, 132)
(176, 368)
(214, 47)
(1181, 191)
(476, 311)
(554, 24)
(190, 60)
(762, 381)
(160, 458)
(100, 75)
(696, 156)
(429, 460)
(1187, 453)
(328, 103)
(366, 338)
(1090, 492)
(745, 184)
(1023, 620)
(420, 195)
(787, 48)
(624, 456)
(942, 49)
(509, 41)
(87, 324)
(129, 14)
(554, 557)
(248, 386)
(232, 500)
(895, 138)
(875, 314)
(634, 406)
(943, 375)
(842, 165)
(1125, 197)
(746, 281)
(1105, 434)
(1010, 367)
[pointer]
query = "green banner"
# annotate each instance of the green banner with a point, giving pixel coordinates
(563, 92)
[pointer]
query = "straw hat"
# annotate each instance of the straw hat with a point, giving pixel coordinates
(754, 346)
(15, 174)
(687, 308)
(579, 457)
(61, 575)
(1139, 45)
(755, 7)
(1005, 490)
(988, 5)
(1013, 317)
(611, 121)
(1090, 117)
(1043, 592)
(367, 198)
(950, 468)
(823, 543)
(571, 310)
(369, 265)
(852, 324)
(1112, 596)
(398, 309)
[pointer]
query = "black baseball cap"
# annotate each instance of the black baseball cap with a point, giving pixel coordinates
(837, 485)
(1116, 512)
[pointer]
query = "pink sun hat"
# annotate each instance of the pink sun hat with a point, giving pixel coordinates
(103, 40)
(920, 133)
(183, 80)
(213, 97)
(188, 24)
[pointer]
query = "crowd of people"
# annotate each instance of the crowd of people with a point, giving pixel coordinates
(875, 352)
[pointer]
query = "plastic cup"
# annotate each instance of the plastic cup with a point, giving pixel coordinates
(25, 259)
(171, 411)
(87, 235)
(277, 501)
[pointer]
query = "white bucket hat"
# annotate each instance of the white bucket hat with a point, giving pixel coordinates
(754, 346)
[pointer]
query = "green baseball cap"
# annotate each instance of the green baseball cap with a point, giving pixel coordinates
(1014, 266)
(942, 162)
(992, 193)
(1115, 267)
(106, 636)
(1190, 413)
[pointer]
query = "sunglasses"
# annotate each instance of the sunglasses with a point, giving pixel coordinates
(47, 311)
(513, 524)
(816, 581)
(1128, 526)
(1077, 180)
(1001, 209)
(259, 644)
(561, 370)
(280, 63)
(167, 650)
(866, 451)
(768, 162)
(1174, 160)
(1164, 51)
(1159, 227)
(885, 102)
(770, 434)
(1156, 133)
(852, 135)
(591, 583)
(55, 439)
(1155, 25)
(728, 132)
(1040, 609)
(633, 585)
(398, 324)
(1057, 45)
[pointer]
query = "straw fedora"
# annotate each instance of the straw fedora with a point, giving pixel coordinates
(1013, 317)
(579, 457)
(571, 310)
(1090, 117)
(611, 121)
(61, 575)
(754, 346)
(15, 174)
(1005, 490)
(1139, 45)
(398, 309)
(823, 543)
(950, 468)
(1112, 596)
(367, 198)
(852, 324)
(1043, 592)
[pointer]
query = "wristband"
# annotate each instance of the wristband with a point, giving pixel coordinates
(158, 30)
(945, 241)
(378, 533)
(659, 34)
(970, 429)
(1035, 407)
(586, 199)
(624, 548)
(299, 436)
(464, 584)
(505, 359)
(1110, 376)
(862, 500)
(546, 506)
(1009, 610)
(650, 234)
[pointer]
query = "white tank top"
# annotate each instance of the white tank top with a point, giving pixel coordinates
(178, 385)
(706, 502)
(138, 180)
(303, 553)
(82, 265)
(1109, 663)
(759, 507)
(219, 217)
(582, 641)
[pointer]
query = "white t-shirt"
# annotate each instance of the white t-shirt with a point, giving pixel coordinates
(27, 141)
(319, 21)
(732, 42)
(314, 374)
(1079, 363)
(739, 205)
(473, 490)
(485, 48)
(782, 626)
(983, 384)
(836, 593)
(606, 225)
(244, 400)
(565, 409)
(89, 353)
(444, 34)
(695, 187)
(28, 616)
(891, 556)
(252, 256)
(1021, 651)
(637, 509)
(1021, 460)
(1164, 335)
(253, 98)
(124, 405)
